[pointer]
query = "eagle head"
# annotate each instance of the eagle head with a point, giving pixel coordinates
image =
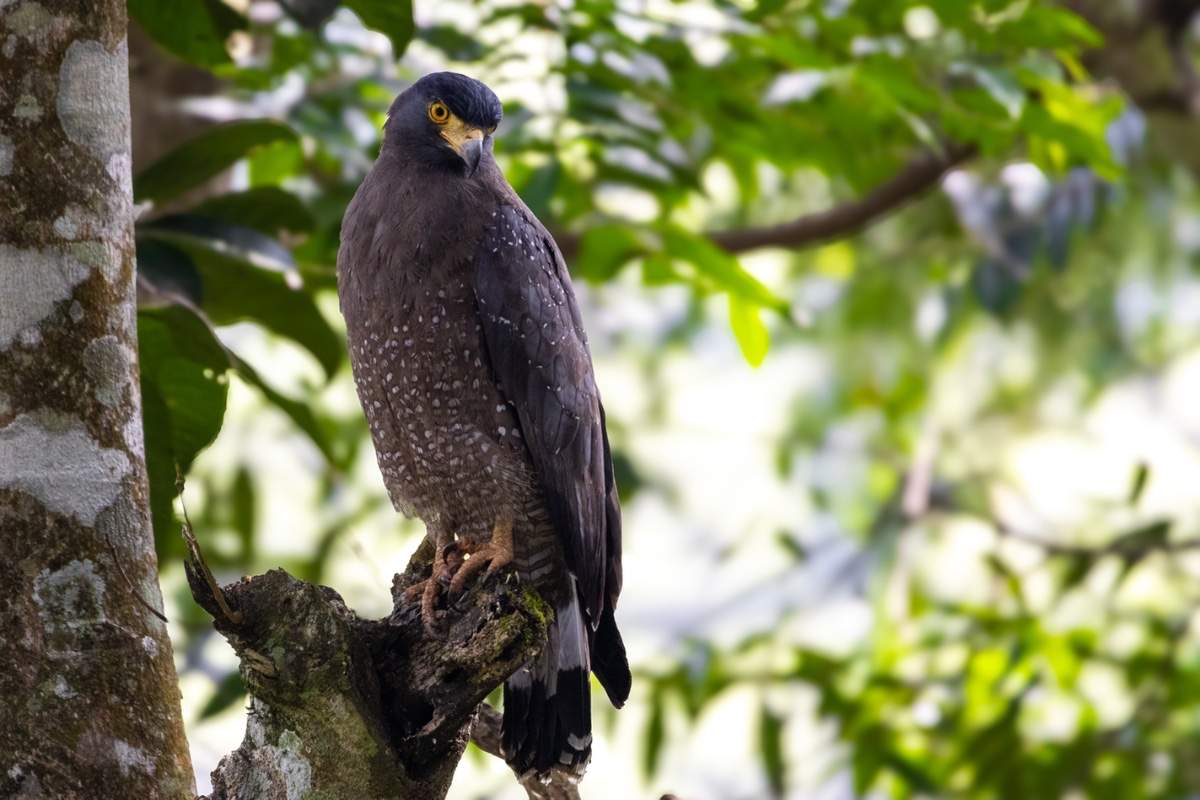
(444, 120)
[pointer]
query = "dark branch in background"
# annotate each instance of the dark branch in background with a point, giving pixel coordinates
(1131, 546)
(1178, 93)
(939, 496)
(1171, 101)
(920, 175)
(915, 179)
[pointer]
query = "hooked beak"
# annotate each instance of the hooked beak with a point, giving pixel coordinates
(472, 150)
(467, 141)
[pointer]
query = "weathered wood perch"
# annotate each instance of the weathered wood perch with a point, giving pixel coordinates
(343, 708)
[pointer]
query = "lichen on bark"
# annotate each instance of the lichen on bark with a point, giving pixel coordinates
(89, 694)
(343, 707)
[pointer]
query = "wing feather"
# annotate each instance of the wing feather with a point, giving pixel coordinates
(539, 354)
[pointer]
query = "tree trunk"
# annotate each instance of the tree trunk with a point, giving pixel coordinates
(88, 692)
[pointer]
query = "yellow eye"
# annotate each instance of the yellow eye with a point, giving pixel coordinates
(438, 112)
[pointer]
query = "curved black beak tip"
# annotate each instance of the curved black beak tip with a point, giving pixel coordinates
(472, 153)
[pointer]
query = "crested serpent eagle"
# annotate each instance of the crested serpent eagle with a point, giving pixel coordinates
(473, 369)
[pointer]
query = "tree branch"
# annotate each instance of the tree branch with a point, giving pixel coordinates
(346, 707)
(1132, 546)
(917, 177)
(485, 733)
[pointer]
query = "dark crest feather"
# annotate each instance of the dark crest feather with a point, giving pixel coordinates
(469, 99)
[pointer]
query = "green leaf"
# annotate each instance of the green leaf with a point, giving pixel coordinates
(791, 545)
(1045, 24)
(194, 30)
(186, 335)
(1063, 661)
(604, 249)
(271, 164)
(268, 209)
(1140, 477)
(158, 266)
(658, 270)
(538, 188)
(204, 156)
(749, 330)
(996, 287)
(243, 513)
(236, 290)
(867, 763)
(195, 398)
(1068, 127)
(1133, 545)
(310, 13)
(652, 740)
(457, 45)
(160, 469)
(770, 747)
(1010, 579)
(1000, 84)
(166, 274)
(245, 244)
(394, 18)
(910, 772)
(1076, 570)
(183, 404)
(182, 360)
(720, 267)
(229, 691)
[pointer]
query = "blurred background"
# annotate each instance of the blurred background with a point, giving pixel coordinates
(911, 483)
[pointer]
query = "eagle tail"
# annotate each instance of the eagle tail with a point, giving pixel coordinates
(609, 661)
(547, 703)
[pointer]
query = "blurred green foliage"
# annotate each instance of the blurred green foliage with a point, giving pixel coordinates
(786, 107)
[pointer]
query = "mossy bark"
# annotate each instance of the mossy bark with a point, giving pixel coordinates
(349, 709)
(88, 693)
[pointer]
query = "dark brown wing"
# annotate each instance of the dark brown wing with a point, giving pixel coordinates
(540, 357)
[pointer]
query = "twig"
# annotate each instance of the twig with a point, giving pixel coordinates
(918, 484)
(485, 730)
(197, 559)
(1117, 547)
(132, 589)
